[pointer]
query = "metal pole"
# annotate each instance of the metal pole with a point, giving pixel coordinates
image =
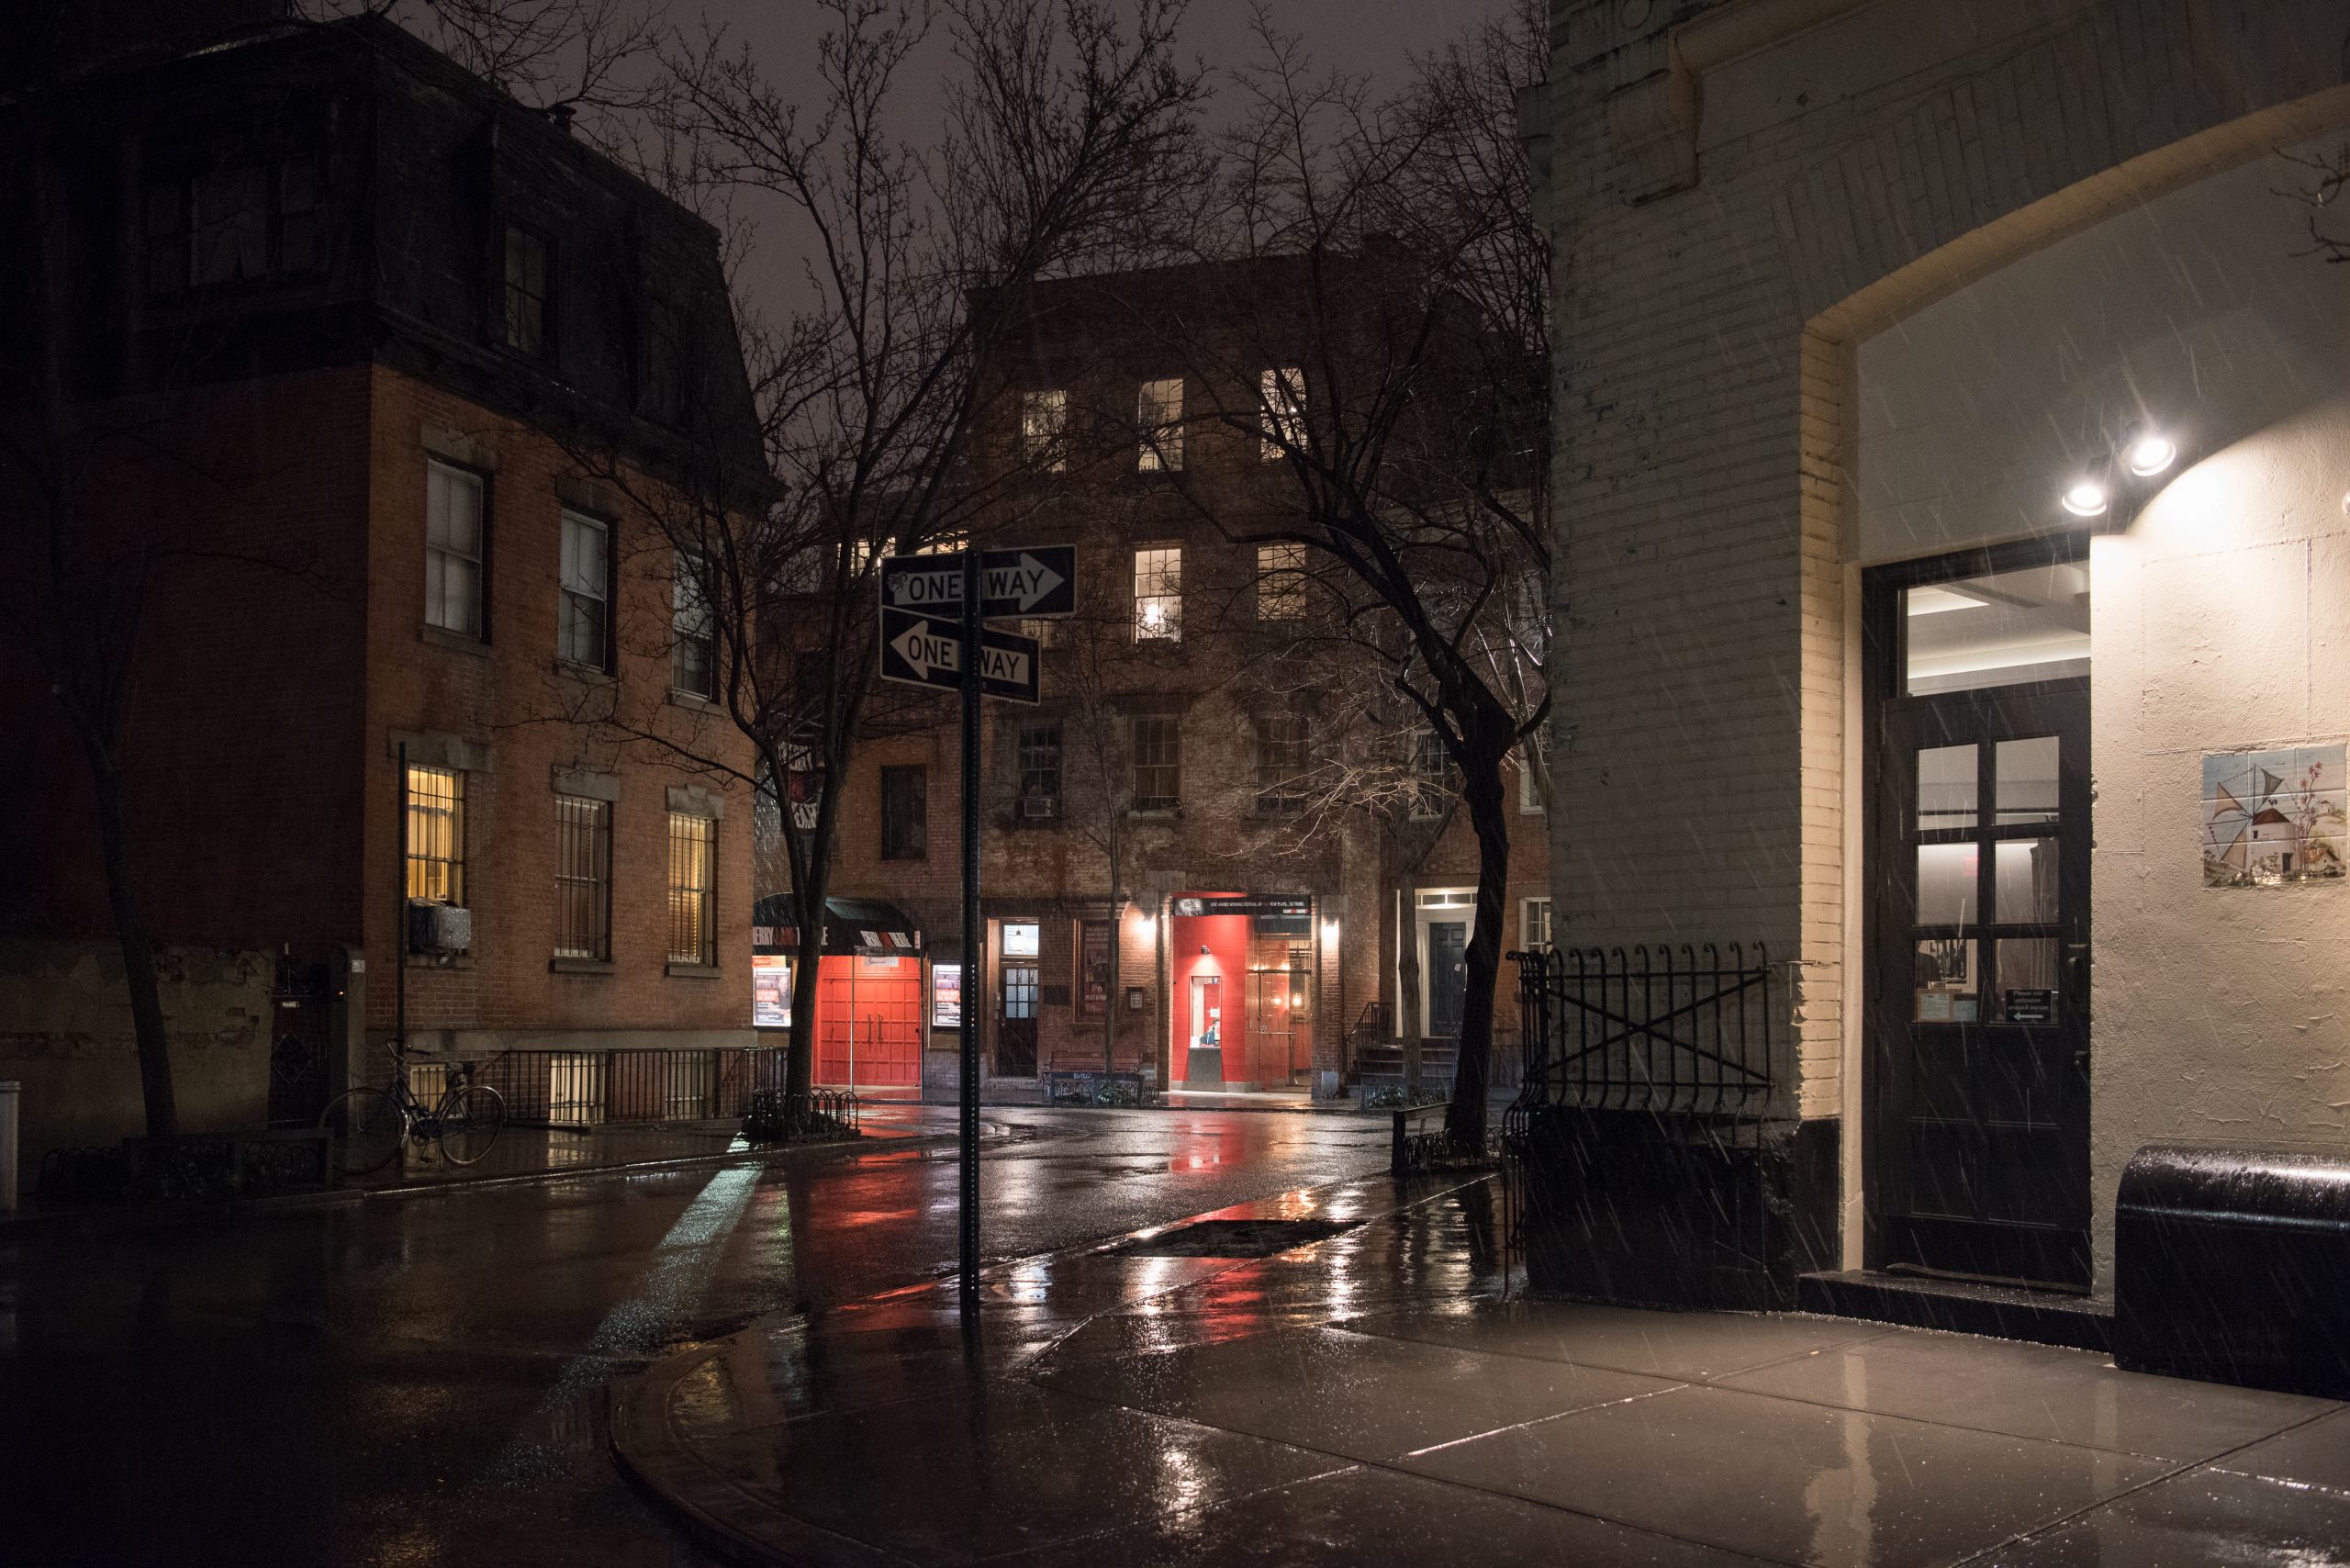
(969, 1161)
(399, 920)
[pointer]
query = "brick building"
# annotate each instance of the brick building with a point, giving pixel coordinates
(1950, 497)
(1191, 709)
(386, 354)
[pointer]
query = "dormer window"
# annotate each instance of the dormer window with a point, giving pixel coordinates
(237, 222)
(526, 320)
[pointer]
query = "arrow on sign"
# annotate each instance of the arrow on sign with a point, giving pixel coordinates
(926, 650)
(1034, 581)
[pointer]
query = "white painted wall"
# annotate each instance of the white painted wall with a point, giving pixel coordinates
(2221, 615)
(2193, 312)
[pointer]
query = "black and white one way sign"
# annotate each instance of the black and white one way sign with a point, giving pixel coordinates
(1038, 582)
(926, 650)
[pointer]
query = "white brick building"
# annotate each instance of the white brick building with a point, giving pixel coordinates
(1850, 292)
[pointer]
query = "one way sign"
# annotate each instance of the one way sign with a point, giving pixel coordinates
(1037, 581)
(924, 650)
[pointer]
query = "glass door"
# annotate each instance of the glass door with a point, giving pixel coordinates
(1979, 1011)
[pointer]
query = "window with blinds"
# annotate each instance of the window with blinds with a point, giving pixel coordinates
(693, 888)
(583, 878)
(436, 835)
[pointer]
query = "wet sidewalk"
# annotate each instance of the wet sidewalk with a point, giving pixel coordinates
(1369, 1398)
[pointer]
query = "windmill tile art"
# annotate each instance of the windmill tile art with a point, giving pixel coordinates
(2273, 817)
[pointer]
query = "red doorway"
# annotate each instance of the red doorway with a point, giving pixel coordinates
(868, 1021)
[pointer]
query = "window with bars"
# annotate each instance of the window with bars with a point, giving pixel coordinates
(1159, 593)
(1281, 582)
(453, 538)
(1282, 407)
(1280, 761)
(436, 835)
(693, 665)
(1158, 417)
(527, 314)
(905, 812)
(1158, 763)
(693, 889)
(1044, 428)
(583, 878)
(1040, 771)
(584, 635)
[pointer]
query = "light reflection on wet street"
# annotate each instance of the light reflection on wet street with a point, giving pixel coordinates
(419, 1381)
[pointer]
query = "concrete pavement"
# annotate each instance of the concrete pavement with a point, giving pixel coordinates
(1369, 1397)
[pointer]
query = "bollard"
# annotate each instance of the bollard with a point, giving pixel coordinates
(8, 1095)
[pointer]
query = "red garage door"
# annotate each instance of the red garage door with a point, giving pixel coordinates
(870, 1009)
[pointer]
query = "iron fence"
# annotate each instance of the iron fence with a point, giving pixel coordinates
(1681, 1028)
(565, 1089)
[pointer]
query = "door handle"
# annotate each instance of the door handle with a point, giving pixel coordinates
(2077, 977)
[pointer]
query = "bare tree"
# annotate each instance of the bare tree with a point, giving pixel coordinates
(1386, 342)
(1063, 118)
(2329, 177)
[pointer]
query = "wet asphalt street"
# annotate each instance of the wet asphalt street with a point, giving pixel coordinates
(415, 1382)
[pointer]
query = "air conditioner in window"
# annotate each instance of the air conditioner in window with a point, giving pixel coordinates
(440, 928)
(1038, 806)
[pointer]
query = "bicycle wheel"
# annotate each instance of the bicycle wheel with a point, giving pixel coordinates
(368, 1128)
(470, 1116)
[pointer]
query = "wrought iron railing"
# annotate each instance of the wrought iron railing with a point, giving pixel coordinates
(599, 1088)
(1683, 1028)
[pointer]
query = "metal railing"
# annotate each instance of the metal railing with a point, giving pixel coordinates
(1378, 1021)
(1681, 1028)
(565, 1089)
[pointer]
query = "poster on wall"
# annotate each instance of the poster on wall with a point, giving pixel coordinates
(2273, 817)
(770, 992)
(946, 996)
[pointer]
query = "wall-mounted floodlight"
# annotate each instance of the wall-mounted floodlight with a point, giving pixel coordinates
(2087, 497)
(2150, 454)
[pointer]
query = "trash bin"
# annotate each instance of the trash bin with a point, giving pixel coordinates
(2233, 1265)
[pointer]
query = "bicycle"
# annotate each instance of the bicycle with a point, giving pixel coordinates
(369, 1125)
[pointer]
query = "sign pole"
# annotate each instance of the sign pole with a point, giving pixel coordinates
(969, 1154)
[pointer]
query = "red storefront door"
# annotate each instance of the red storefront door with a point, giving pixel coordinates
(869, 1030)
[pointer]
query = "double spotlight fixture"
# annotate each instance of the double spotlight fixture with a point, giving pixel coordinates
(2143, 452)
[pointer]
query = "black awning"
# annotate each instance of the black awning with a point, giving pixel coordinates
(851, 926)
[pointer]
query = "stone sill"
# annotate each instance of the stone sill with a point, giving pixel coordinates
(693, 971)
(581, 967)
(455, 642)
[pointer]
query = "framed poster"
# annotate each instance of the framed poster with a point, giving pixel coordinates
(1093, 970)
(946, 996)
(770, 992)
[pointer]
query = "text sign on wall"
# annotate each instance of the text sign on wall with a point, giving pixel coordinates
(1296, 906)
(1034, 582)
(946, 996)
(926, 650)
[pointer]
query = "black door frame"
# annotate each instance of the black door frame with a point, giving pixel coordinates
(1885, 1015)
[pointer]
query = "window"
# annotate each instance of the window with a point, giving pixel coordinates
(1280, 761)
(252, 220)
(436, 835)
(693, 665)
(1158, 416)
(1281, 399)
(452, 549)
(584, 635)
(1044, 427)
(1530, 793)
(1048, 633)
(526, 316)
(905, 813)
(1158, 764)
(693, 888)
(583, 878)
(1534, 922)
(1159, 593)
(1040, 771)
(1281, 582)
(1431, 774)
(1093, 968)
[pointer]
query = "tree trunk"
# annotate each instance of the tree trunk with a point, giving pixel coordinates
(138, 953)
(800, 1052)
(1482, 792)
(1409, 1026)
(1109, 993)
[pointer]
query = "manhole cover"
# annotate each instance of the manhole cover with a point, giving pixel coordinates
(1235, 1238)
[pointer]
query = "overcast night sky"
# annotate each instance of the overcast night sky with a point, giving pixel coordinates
(1374, 37)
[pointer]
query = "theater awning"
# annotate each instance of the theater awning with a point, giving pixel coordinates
(851, 926)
